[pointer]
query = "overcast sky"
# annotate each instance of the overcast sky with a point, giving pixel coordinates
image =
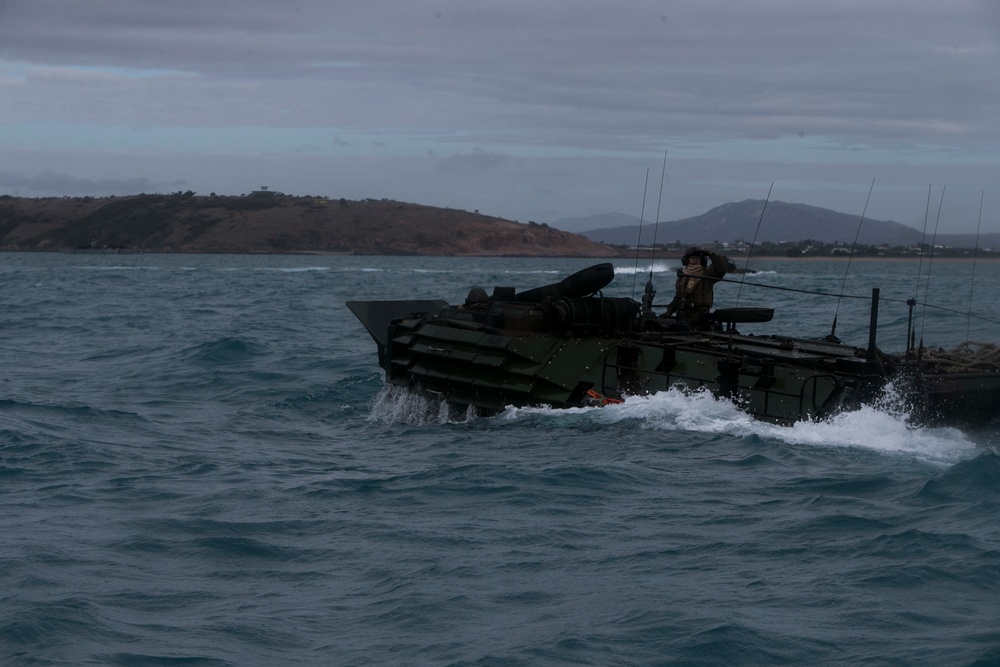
(524, 109)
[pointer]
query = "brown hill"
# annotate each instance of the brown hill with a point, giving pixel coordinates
(274, 223)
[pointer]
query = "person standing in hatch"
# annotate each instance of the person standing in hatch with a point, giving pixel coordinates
(695, 283)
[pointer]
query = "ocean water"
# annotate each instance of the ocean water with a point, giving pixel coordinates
(200, 465)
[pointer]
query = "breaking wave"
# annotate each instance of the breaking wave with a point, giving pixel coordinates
(397, 405)
(874, 428)
(882, 428)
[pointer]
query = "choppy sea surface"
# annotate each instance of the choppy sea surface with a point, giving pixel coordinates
(199, 465)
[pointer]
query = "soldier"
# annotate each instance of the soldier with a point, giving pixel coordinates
(695, 281)
(477, 299)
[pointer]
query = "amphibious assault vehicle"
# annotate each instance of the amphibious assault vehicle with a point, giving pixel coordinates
(566, 345)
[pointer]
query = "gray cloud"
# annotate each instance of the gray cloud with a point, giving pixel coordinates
(731, 69)
(49, 182)
(478, 160)
(820, 97)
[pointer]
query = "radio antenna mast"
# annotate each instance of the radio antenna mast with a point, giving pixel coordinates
(647, 297)
(975, 256)
(752, 244)
(833, 330)
(638, 241)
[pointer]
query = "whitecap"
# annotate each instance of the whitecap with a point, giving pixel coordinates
(884, 428)
(643, 269)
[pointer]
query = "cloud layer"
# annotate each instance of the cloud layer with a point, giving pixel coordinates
(525, 110)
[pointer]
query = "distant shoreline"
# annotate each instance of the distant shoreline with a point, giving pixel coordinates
(741, 259)
(737, 259)
(936, 258)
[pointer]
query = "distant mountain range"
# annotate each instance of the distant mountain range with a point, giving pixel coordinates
(267, 222)
(781, 222)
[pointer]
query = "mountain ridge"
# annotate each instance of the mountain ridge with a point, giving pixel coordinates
(781, 222)
(268, 222)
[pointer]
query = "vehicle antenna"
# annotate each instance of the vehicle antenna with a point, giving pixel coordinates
(910, 328)
(752, 244)
(647, 297)
(833, 330)
(638, 241)
(975, 256)
(927, 283)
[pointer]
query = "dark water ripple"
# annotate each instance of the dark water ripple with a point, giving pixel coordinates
(198, 466)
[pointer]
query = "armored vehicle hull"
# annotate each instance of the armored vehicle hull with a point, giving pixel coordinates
(565, 345)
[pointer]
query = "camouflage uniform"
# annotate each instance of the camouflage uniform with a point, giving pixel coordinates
(692, 306)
